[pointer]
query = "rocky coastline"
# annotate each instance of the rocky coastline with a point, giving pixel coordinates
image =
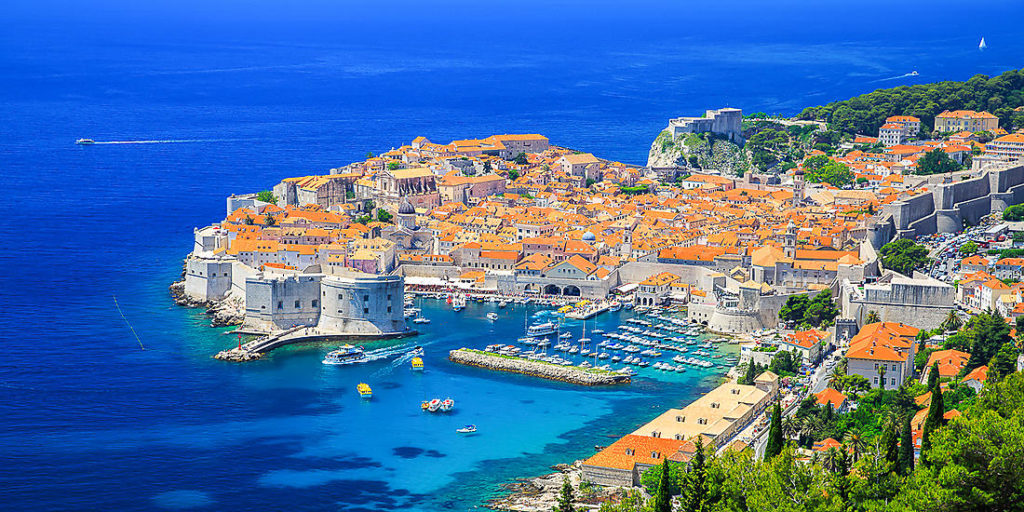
(541, 493)
(570, 374)
(222, 313)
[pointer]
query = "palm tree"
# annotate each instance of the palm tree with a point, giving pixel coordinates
(872, 318)
(952, 322)
(855, 441)
(835, 381)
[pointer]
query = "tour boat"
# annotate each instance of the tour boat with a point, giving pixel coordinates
(417, 364)
(615, 306)
(85, 142)
(421, 320)
(364, 390)
(431, 405)
(541, 329)
(492, 316)
(346, 354)
(468, 429)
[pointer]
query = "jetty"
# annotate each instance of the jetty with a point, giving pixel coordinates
(544, 370)
(255, 349)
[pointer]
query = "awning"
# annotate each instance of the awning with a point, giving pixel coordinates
(626, 288)
(425, 281)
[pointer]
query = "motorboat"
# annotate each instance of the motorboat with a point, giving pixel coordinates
(417, 364)
(492, 316)
(543, 329)
(431, 405)
(615, 306)
(346, 354)
(421, 320)
(502, 304)
(446, 405)
(85, 142)
(565, 336)
(468, 429)
(364, 390)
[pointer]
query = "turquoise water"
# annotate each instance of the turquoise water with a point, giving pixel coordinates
(267, 90)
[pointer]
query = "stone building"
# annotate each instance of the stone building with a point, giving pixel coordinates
(417, 184)
(965, 120)
(362, 304)
(921, 301)
(724, 121)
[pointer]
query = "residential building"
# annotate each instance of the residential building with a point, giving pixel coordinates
(883, 353)
(965, 120)
(1010, 147)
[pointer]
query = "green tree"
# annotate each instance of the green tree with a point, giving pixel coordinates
(521, 159)
(775, 441)
(394, 166)
(749, 377)
(266, 196)
(903, 256)
(872, 317)
(269, 220)
(932, 422)
(833, 173)
(953, 322)
(663, 496)
(590, 182)
(936, 161)
(969, 248)
(695, 491)
(933, 377)
(249, 220)
(565, 498)
(487, 167)
(906, 457)
(890, 443)
(513, 174)
(369, 155)
(383, 216)
(1014, 213)
(785, 363)
(991, 332)
(1003, 363)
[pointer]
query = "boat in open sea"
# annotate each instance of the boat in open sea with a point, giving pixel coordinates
(346, 354)
(468, 429)
(364, 390)
(417, 364)
(85, 142)
(492, 316)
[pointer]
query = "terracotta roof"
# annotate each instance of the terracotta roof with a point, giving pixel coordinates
(631, 450)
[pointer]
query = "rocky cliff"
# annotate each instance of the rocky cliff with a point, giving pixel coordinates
(697, 152)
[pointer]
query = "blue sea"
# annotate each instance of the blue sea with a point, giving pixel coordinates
(234, 96)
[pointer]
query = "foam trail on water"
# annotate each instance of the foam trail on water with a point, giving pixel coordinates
(166, 141)
(904, 75)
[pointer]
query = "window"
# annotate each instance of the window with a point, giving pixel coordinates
(629, 451)
(655, 455)
(315, 303)
(280, 304)
(874, 380)
(389, 296)
(298, 304)
(389, 309)
(680, 419)
(340, 296)
(366, 298)
(366, 310)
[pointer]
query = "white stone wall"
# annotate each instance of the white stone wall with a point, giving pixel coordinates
(362, 304)
(207, 278)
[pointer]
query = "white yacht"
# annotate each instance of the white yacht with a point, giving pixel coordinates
(346, 354)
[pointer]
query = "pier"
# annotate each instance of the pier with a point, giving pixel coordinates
(570, 374)
(255, 349)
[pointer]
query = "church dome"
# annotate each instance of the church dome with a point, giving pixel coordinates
(406, 208)
(589, 237)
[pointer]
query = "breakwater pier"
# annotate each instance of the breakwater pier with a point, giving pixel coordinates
(255, 349)
(544, 370)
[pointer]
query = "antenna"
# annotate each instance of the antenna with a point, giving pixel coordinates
(118, 306)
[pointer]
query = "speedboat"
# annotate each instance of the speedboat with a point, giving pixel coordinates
(565, 336)
(615, 306)
(421, 320)
(364, 390)
(492, 316)
(346, 354)
(85, 142)
(468, 429)
(417, 364)
(446, 405)
(598, 331)
(431, 405)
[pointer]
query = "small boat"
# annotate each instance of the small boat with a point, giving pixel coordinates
(431, 405)
(446, 405)
(541, 329)
(565, 336)
(468, 429)
(982, 45)
(502, 304)
(492, 316)
(89, 142)
(364, 390)
(421, 320)
(417, 364)
(346, 354)
(615, 306)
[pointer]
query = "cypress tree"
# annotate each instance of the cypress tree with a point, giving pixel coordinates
(932, 422)
(906, 458)
(775, 441)
(663, 497)
(566, 499)
(933, 378)
(696, 491)
(890, 444)
(749, 378)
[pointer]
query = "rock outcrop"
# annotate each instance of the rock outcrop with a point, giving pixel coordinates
(541, 494)
(237, 356)
(222, 313)
(697, 152)
(570, 374)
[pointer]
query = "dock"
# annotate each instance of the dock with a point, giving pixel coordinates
(255, 349)
(544, 370)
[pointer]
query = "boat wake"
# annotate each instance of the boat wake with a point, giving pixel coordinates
(165, 141)
(407, 352)
(900, 77)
